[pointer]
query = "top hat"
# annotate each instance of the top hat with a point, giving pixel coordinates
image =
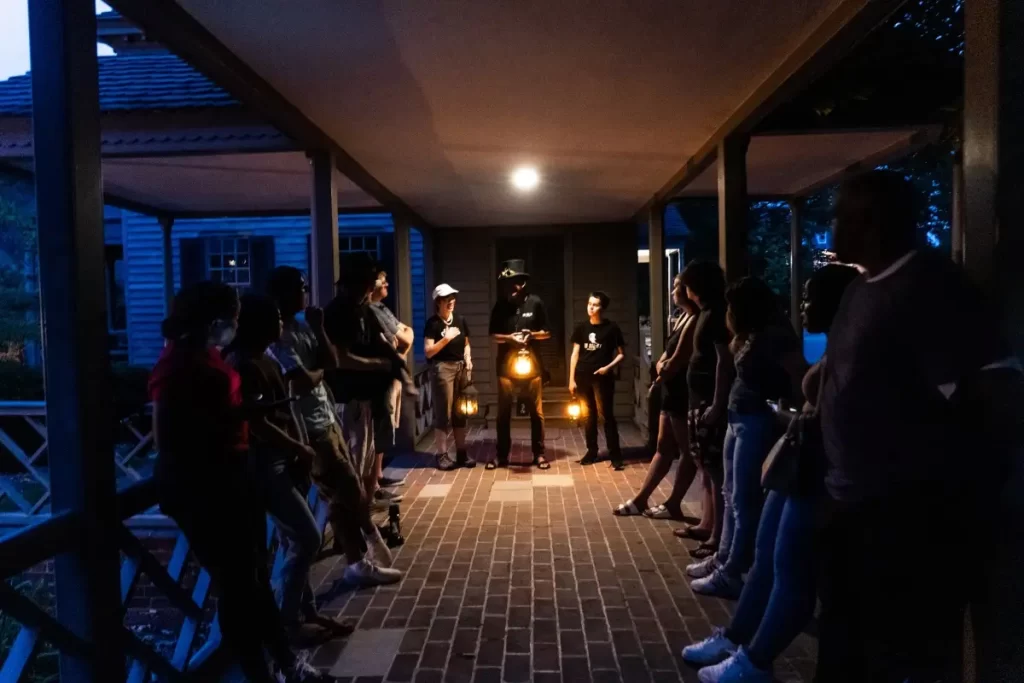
(513, 268)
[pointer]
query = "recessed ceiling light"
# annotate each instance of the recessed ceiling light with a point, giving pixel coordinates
(525, 178)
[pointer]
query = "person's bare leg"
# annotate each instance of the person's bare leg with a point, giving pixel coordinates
(685, 471)
(440, 441)
(707, 502)
(660, 465)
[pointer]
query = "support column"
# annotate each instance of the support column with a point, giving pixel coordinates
(993, 154)
(69, 205)
(656, 246)
(167, 226)
(733, 207)
(324, 271)
(956, 235)
(796, 278)
(403, 264)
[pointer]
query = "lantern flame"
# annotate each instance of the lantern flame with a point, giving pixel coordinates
(523, 365)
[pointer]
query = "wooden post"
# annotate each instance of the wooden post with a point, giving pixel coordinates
(403, 264)
(79, 415)
(324, 271)
(796, 284)
(656, 245)
(167, 226)
(733, 207)
(993, 154)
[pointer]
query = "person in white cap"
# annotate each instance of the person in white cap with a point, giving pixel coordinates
(446, 346)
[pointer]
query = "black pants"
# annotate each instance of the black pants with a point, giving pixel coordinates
(226, 528)
(508, 391)
(599, 393)
(891, 594)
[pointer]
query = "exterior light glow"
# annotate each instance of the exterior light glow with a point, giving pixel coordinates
(525, 178)
(523, 366)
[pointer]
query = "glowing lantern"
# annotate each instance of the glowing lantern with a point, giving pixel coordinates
(467, 402)
(576, 408)
(523, 365)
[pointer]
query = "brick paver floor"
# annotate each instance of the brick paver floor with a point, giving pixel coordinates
(518, 575)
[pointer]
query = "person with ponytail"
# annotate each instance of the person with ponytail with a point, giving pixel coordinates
(201, 429)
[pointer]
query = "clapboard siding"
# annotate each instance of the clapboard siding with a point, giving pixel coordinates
(143, 254)
(598, 257)
(604, 258)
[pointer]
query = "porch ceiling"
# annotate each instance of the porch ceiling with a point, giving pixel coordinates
(790, 165)
(220, 184)
(439, 100)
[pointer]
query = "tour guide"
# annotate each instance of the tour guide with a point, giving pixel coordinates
(518, 321)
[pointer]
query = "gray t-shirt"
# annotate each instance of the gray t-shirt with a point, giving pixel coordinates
(388, 322)
(896, 343)
(298, 348)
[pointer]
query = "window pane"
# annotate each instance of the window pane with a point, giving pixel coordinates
(215, 261)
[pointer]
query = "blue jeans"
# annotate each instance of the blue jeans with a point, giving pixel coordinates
(746, 444)
(300, 539)
(778, 599)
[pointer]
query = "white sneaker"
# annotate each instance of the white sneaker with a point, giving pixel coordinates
(718, 585)
(304, 672)
(365, 574)
(735, 669)
(711, 650)
(706, 567)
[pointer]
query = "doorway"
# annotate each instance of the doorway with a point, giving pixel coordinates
(545, 262)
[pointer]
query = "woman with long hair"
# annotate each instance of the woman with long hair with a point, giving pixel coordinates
(778, 598)
(769, 364)
(673, 432)
(202, 437)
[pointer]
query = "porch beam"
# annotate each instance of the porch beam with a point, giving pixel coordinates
(170, 24)
(796, 206)
(848, 23)
(733, 206)
(166, 228)
(656, 250)
(69, 205)
(323, 228)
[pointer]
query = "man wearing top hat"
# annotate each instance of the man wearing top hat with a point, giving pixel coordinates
(518, 322)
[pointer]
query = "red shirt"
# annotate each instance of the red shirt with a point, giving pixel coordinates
(198, 396)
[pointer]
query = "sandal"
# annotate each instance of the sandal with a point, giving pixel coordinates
(627, 509)
(692, 532)
(494, 464)
(661, 512)
(705, 549)
(541, 463)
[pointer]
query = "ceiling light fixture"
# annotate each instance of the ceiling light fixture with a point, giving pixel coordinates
(525, 178)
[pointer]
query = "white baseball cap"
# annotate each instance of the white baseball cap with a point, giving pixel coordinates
(444, 290)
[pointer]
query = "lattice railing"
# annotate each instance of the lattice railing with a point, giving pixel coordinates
(25, 490)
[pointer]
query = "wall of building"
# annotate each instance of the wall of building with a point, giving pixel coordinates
(596, 257)
(143, 255)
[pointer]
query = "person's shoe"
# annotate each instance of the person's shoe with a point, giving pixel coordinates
(390, 482)
(388, 496)
(703, 568)
(445, 462)
(618, 465)
(712, 650)
(588, 459)
(365, 574)
(462, 459)
(736, 669)
(304, 672)
(718, 585)
(338, 628)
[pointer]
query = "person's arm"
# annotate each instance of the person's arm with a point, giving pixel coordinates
(795, 366)
(674, 362)
(325, 351)
(467, 357)
(723, 379)
(540, 319)
(295, 373)
(494, 330)
(405, 338)
(431, 347)
(279, 439)
(572, 367)
(620, 355)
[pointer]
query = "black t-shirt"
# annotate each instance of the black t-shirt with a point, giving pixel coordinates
(599, 344)
(511, 316)
(354, 327)
(454, 350)
(896, 344)
(760, 376)
(700, 375)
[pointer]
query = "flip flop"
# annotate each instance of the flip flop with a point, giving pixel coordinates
(541, 462)
(660, 512)
(627, 509)
(494, 464)
(705, 549)
(692, 532)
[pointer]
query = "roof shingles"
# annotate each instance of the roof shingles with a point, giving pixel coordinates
(132, 82)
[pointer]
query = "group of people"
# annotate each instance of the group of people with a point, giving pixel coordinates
(518, 323)
(257, 399)
(877, 429)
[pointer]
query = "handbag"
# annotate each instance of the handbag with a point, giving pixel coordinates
(793, 463)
